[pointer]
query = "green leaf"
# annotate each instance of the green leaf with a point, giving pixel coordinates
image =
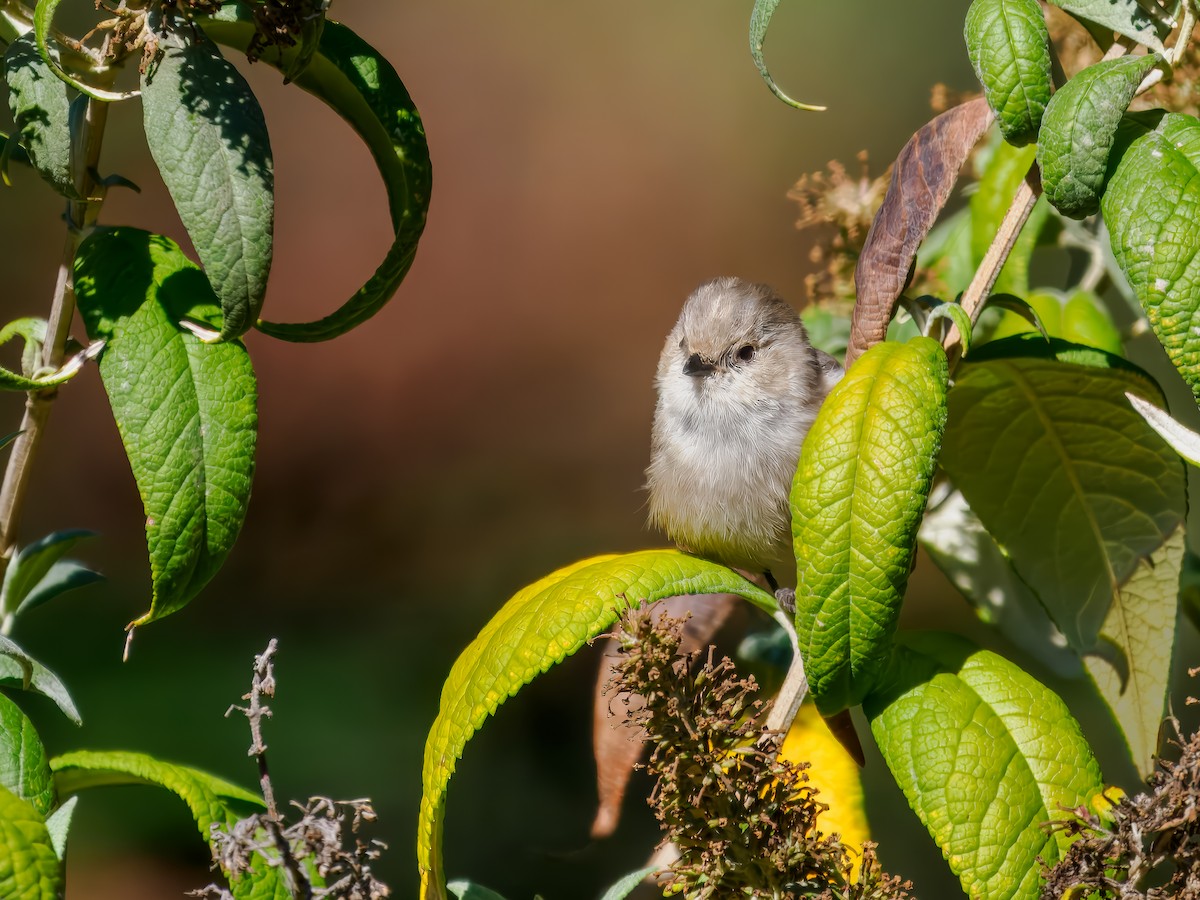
(65, 575)
(997, 186)
(1080, 128)
(41, 110)
(20, 670)
(29, 868)
(760, 21)
(985, 754)
(58, 825)
(857, 499)
(23, 767)
(1181, 439)
(186, 410)
(359, 84)
(1081, 495)
(627, 885)
(1127, 17)
(948, 250)
(1085, 320)
(210, 799)
(469, 890)
(33, 563)
(956, 314)
(43, 20)
(33, 332)
(540, 626)
(208, 137)
(1152, 209)
(1009, 48)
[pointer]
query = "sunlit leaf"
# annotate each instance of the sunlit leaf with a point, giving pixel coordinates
(38, 101)
(1009, 47)
(23, 767)
(760, 21)
(20, 670)
(29, 868)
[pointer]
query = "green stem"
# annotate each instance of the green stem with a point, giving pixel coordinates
(81, 215)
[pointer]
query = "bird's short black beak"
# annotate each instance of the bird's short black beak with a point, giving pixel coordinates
(697, 365)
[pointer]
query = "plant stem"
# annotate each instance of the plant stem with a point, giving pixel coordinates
(81, 215)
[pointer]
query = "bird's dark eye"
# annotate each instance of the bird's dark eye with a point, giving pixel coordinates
(746, 353)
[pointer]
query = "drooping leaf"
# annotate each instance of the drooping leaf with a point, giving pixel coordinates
(1127, 17)
(760, 21)
(208, 137)
(923, 176)
(857, 500)
(23, 767)
(540, 626)
(1079, 319)
(984, 754)
(20, 670)
(186, 410)
(359, 84)
(33, 332)
(1009, 48)
(33, 562)
(1152, 210)
(29, 868)
(1081, 495)
(40, 108)
(1080, 128)
(623, 887)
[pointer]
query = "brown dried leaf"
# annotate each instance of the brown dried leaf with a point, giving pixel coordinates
(924, 174)
(616, 743)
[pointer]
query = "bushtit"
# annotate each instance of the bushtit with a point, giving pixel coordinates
(738, 387)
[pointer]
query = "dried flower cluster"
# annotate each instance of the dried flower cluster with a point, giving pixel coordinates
(278, 22)
(1142, 842)
(848, 204)
(744, 822)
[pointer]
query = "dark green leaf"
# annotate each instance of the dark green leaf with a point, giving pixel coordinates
(20, 670)
(1009, 47)
(1087, 503)
(1080, 128)
(41, 110)
(33, 563)
(1127, 17)
(65, 575)
(760, 21)
(29, 868)
(857, 500)
(361, 86)
(23, 767)
(985, 755)
(1152, 209)
(207, 134)
(186, 410)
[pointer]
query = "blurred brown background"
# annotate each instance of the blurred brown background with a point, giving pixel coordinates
(592, 163)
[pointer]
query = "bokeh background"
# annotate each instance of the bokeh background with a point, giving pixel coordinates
(593, 162)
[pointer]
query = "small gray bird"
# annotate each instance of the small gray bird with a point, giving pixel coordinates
(739, 385)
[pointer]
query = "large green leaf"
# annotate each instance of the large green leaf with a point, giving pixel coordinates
(41, 110)
(1009, 48)
(857, 499)
(985, 754)
(359, 84)
(1080, 129)
(1082, 496)
(186, 410)
(208, 137)
(1127, 17)
(540, 626)
(29, 867)
(23, 767)
(1152, 209)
